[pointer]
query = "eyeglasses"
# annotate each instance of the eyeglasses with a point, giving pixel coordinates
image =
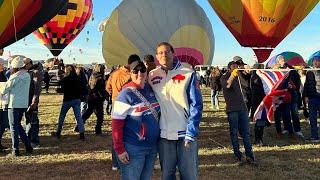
(136, 70)
(164, 52)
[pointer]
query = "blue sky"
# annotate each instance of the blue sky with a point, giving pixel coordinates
(304, 39)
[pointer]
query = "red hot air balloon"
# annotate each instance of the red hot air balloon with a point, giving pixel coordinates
(262, 24)
(64, 27)
(21, 17)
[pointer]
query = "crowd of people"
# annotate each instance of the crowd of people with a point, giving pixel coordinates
(156, 110)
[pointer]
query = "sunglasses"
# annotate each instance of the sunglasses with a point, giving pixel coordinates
(136, 70)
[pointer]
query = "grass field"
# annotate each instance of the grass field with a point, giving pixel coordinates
(70, 158)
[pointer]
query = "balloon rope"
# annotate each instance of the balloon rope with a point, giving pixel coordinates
(14, 21)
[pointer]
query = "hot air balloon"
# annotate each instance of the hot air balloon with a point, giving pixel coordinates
(20, 17)
(316, 54)
(262, 24)
(137, 26)
(292, 58)
(65, 26)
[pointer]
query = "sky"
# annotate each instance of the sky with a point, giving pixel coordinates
(304, 39)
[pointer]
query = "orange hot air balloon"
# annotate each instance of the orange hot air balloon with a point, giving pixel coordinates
(64, 27)
(262, 24)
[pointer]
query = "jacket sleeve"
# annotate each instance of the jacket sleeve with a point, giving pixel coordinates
(6, 87)
(108, 85)
(195, 108)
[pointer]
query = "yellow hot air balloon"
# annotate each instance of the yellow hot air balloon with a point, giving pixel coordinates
(137, 26)
(262, 24)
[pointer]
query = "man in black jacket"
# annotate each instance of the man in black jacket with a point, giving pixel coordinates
(311, 93)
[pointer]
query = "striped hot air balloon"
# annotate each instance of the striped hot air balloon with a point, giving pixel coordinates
(291, 58)
(65, 26)
(137, 26)
(262, 24)
(18, 18)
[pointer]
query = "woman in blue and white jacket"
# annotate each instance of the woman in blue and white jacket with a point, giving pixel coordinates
(17, 89)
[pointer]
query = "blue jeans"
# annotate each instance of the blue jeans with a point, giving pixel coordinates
(15, 116)
(314, 109)
(173, 153)
(32, 126)
(4, 122)
(239, 122)
(141, 162)
(214, 98)
(75, 104)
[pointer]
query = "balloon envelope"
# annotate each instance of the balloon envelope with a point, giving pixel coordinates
(316, 54)
(262, 24)
(137, 26)
(21, 17)
(65, 26)
(292, 58)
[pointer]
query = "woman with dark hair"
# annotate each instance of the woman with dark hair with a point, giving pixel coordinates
(135, 126)
(70, 87)
(96, 96)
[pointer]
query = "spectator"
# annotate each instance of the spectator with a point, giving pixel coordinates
(116, 81)
(70, 87)
(176, 89)
(32, 121)
(135, 130)
(17, 87)
(4, 122)
(312, 98)
(96, 97)
(237, 113)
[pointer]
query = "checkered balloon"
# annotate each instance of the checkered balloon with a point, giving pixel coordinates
(65, 26)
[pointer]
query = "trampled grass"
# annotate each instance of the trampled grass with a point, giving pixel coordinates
(70, 158)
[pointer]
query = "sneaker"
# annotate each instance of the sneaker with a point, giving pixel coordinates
(240, 162)
(252, 161)
(313, 140)
(299, 134)
(35, 145)
(3, 148)
(114, 168)
(285, 132)
(29, 150)
(259, 143)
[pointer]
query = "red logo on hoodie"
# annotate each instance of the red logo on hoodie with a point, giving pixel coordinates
(178, 77)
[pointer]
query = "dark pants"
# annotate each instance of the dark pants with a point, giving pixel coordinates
(4, 122)
(294, 110)
(314, 109)
(46, 86)
(283, 111)
(32, 126)
(97, 108)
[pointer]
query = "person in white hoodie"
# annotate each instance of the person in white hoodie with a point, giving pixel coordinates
(17, 89)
